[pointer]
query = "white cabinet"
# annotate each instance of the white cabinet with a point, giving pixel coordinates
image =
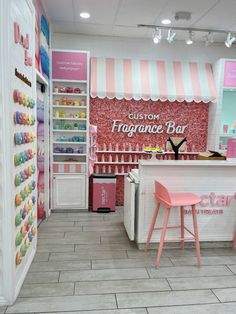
(69, 133)
(69, 191)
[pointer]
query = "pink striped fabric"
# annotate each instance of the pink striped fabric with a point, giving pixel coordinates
(127, 78)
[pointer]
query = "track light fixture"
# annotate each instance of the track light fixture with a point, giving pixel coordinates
(170, 36)
(189, 40)
(229, 40)
(209, 39)
(157, 36)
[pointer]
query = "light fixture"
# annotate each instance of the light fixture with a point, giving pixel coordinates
(209, 39)
(156, 36)
(166, 22)
(189, 40)
(229, 40)
(84, 15)
(170, 36)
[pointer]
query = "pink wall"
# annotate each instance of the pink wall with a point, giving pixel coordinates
(104, 111)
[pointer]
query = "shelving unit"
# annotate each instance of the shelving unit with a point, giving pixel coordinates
(224, 111)
(18, 227)
(69, 131)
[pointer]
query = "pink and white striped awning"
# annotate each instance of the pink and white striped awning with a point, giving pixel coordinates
(155, 80)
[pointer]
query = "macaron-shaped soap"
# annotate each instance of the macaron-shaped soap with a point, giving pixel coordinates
(17, 159)
(18, 219)
(18, 199)
(33, 168)
(33, 198)
(27, 191)
(23, 213)
(23, 195)
(33, 185)
(18, 258)
(30, 236)
(31, 220)
(17, 179)
(27, 226)
(18, 239)
(23, 231)
(33, 231)
(23, 249)
(27, 243)
(27, 207)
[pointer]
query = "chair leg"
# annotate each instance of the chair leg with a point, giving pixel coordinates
(196, 235)
(234, 240)
(162, 239)
(182, 226)
(154, 218)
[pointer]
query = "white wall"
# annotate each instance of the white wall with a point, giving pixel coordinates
(121, 47)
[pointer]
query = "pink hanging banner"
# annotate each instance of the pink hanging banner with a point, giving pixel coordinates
(69, 65)
(230, 74)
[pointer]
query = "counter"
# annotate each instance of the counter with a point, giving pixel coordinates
(214, 181)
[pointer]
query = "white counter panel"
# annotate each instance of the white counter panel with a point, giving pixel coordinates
(216, 220)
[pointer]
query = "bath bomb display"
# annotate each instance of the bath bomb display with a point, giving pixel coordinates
(18, 258)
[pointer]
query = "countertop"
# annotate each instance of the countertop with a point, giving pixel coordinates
(192, 163)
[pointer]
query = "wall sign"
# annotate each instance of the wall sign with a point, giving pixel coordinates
(230, 74)
(69, 65)
(168, 127)
(24, 42)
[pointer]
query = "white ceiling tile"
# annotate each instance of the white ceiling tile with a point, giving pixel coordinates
(133, 12)
(101, 11)
(59, 10)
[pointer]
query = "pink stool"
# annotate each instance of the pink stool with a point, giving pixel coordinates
(234, 240)
(169, 200)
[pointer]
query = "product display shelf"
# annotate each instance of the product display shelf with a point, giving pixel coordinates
(18, 198)
(69, 132)
(69, 107)
(69, 94)
(68, 119)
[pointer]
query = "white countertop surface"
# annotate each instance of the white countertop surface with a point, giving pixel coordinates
(191, 163)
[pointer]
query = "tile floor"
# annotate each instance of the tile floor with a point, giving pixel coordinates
(86, 264)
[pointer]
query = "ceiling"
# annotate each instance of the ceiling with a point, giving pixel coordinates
(120, 17)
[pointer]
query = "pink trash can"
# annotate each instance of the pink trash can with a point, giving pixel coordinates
(104, 192)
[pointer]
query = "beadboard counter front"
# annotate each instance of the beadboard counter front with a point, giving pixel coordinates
(213, 180)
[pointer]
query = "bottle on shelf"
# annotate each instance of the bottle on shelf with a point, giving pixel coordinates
(110, 147)
(117, 147)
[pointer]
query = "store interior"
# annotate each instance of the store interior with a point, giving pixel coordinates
(91, 95)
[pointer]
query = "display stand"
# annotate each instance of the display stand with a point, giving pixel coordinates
(70, 129)
(18, 215)
(222, 115)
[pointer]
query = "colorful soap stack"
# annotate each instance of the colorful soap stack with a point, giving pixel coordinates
(25, 168)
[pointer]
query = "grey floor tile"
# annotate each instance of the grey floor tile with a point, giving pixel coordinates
(105, 247)
(80, 239)
(206, 260)
(62, 229)
(189, 271)
(101, 223)
(69, 303)
(46, 290)
(107, 234)
(141, 254)
(102, 228)
(2, 309)
(105, 274)
(60, 248)
(56, 223)
(84, 254)
(226, 295)
(42, 277)
(117, 286)
(41, 257)
(126, 311)
(42, 235)
(128, 263)
(149, 299)
(202, 282)
(62, 265)
(114, 239)
(220, 308)
(233, 268)
(218, 251)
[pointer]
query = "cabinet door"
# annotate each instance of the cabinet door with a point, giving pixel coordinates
(69, 191)
(129, 207)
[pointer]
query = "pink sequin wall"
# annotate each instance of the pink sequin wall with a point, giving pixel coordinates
(104, 111)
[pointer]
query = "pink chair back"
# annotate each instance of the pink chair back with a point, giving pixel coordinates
(162, 193)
